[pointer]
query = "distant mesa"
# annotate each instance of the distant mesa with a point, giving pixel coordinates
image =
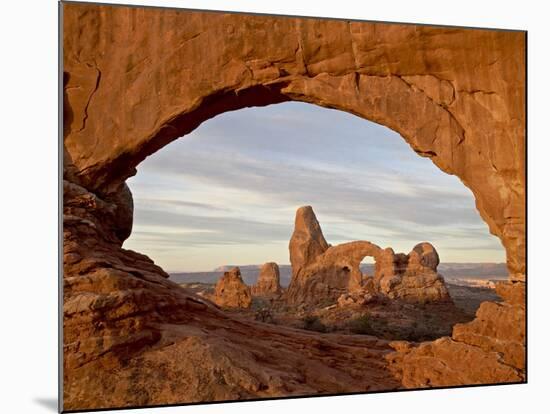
(227, 268)
(231, 291)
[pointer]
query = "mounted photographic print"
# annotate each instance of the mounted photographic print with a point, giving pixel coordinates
(265, 206)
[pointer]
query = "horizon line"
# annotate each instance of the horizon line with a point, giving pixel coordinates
(288, 264)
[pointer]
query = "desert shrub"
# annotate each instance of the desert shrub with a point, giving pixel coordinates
(259, 303)
(414, 336)
(362, 325)
(382, 323)
(313, 323)
(264, 315)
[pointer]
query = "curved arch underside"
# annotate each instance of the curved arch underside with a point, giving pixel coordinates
(135, 79)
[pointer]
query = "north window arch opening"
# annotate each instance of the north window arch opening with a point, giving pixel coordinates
(225, 195)
(367, 266)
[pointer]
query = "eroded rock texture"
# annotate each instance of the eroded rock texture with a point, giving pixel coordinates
(307, 241)
(231, 291)
(412, 277)
(135, 79)
(268, 283)
(490, 349)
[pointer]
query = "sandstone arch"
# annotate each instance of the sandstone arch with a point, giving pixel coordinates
(321, 273)
(138, 78)
(455, 95)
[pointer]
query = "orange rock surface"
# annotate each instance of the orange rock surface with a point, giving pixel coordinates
(321, 272)
(269, 281)
(488, 350)
(412, 277)
(231, 291)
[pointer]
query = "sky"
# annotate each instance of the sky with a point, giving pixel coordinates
(227, 193)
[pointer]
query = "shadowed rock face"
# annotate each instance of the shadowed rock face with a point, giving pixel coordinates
(135, 79)
(268, 283)
(231, 291)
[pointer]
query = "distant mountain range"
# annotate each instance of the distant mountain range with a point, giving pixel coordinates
(478, 270)
(250, 272)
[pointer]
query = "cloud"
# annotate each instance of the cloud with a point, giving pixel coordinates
(213, 229)
(366, 197)
(169, 203)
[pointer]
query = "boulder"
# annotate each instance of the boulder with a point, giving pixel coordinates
(445, 362)
(231, 291)
(268, 283)
(411, 278)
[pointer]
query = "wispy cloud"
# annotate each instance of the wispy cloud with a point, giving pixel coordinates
(170, 204)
